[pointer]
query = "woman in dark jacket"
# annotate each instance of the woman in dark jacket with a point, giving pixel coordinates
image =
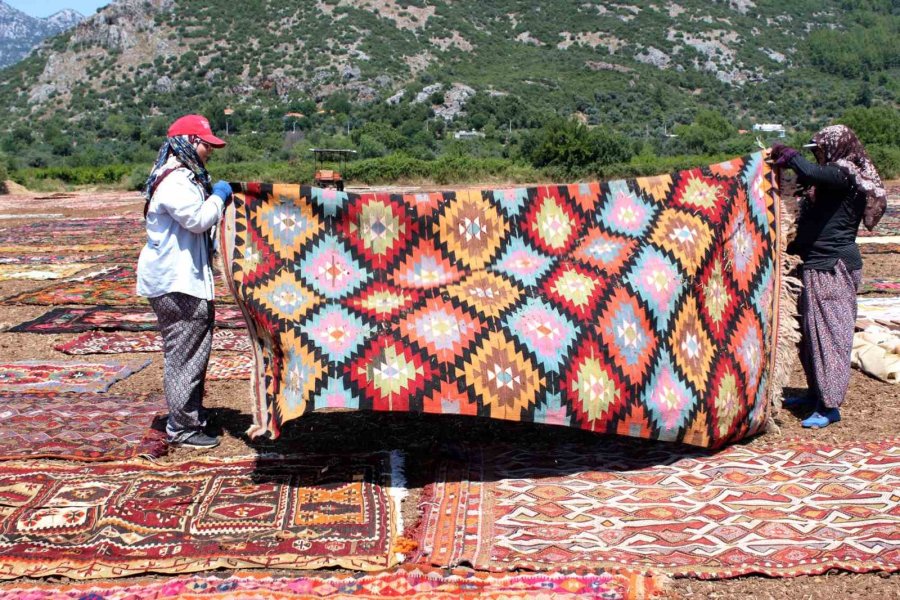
(841, 189)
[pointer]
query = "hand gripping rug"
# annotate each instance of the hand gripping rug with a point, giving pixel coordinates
(100, 342)
(114, 286)
(53, 376)
(79, 320)
(647, 307)
(797, 508)
(114, 520)
(412, 583)
(84, 427)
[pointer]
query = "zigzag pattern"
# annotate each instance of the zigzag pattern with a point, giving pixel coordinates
(641, 307)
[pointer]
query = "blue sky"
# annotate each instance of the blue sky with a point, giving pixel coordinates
(45, 8)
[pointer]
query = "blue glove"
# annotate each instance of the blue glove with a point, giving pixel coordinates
(222, 189)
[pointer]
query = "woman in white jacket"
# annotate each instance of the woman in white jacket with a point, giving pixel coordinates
(174, 270)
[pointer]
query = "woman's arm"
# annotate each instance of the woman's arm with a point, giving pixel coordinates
(809, 173)
(184, 202)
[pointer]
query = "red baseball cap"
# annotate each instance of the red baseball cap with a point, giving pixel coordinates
(195, 125)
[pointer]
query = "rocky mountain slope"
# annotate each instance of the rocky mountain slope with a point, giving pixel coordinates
(19, 33)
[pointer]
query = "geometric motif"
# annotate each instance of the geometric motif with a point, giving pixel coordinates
(61, 376)
(781, 511)
(471, 228)
(632, 307)
(684, 235)
(330, 269)
(551, 223)
(504, 379)
(102, 521)
(544, 330)
(442, 329)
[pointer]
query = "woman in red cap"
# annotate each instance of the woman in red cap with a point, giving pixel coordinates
(182, 209)
(842, 189)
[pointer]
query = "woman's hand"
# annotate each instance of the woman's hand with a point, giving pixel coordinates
(222, 189)
(782, 155)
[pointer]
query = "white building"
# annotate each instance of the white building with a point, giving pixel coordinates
(777, 128)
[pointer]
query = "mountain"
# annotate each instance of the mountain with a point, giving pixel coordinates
(19, 33)
(638, 67)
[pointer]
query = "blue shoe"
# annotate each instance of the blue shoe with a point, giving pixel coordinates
(820, 420)
(797, 402)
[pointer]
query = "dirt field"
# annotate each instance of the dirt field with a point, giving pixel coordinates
(871, 412)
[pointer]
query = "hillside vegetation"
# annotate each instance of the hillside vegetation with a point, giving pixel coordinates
(570, 88)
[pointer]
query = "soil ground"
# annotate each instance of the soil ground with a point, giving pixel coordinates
(871, 412)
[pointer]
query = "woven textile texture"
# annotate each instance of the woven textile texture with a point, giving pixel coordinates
(229, 366)
(115, 520)
(114, 286)
(60, 376)
(797, 508)
(41, 272)
(883, 311)
(100, 342)
(120, 256)
(80, 426)
(403, 583)
(79, 320)
(75, 235)
(882, 284)
(644, 307)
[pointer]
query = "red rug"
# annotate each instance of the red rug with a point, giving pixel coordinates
(78, 320)
(114, 520)
(801, 508)
(80, 426)
(405, 583)
(99, 342)
(51, 376)
(229, 366)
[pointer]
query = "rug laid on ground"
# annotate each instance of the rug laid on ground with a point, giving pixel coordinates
(61, 376)
(797, 508)
(883, 311)
(41, 272)
(121, 519)
(229, 366)
(101, 342)
(644, 307)
(880, 284)
(114, 286)
(889, 224)
(79, 320)
(120, 256)
(84, 427)
(411, 583)
(75, 235)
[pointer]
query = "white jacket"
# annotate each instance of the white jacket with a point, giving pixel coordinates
(176, 256)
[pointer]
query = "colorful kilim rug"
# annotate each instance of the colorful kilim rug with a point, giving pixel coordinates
(882, 284)
(97, 342)
(81, 235)
(642, 307)
(46, 376)
(72, 201)
(229, 366)
(101, 521)
(112, 287)
(119, 256)
(885, 248)
(80, 426)
(41, 272)
(403, 583)
(79, 320)
(888, 225)
(799, 508)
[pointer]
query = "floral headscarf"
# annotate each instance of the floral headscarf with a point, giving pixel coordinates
(840, 147)
(182, 148)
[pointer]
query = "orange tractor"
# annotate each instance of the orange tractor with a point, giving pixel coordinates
(326, 177)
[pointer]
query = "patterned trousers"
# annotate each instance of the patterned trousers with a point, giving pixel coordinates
(186, 325)
(828, 307)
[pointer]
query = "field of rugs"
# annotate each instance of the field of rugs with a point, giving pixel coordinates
(355, 505)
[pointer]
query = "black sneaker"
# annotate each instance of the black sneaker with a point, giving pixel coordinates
(199, 440)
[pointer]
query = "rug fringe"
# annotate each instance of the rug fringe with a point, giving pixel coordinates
(398, 493)
(788, 333)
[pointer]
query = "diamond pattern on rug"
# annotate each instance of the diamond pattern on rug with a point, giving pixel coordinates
(79, 320)
(82, 427)
(49, 376)
(99, 342)
(790, 509)
(404, 583)
(605, 306)
(125, 519)
(229, 366)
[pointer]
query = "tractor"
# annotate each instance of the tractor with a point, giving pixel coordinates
(330, 177)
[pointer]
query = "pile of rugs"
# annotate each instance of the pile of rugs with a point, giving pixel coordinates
(650, 308)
